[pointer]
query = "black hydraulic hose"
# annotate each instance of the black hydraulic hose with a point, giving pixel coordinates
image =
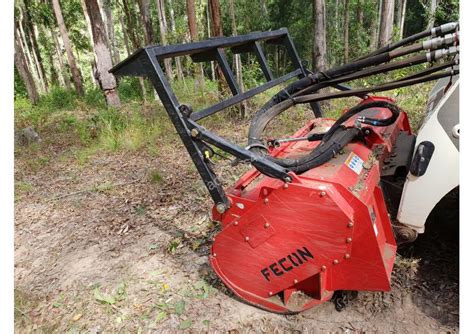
(381, 88)
(337, 137)
(332, 148)
(432, 69)
(416, 60)
(357, 70)
(384, 57)
(264, 117)
(434, 32)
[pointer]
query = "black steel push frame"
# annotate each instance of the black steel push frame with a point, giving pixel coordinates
(145, 62)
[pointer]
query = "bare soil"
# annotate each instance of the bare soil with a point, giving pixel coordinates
(120, 244)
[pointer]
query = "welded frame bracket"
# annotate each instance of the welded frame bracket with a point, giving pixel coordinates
(146, 62)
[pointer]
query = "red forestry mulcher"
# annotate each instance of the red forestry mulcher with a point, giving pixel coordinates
(320, 210)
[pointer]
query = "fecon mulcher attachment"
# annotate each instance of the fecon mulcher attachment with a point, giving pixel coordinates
(314, 215)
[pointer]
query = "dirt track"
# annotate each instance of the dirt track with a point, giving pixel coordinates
(101, 248)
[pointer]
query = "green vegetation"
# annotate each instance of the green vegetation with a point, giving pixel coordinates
(87, 126)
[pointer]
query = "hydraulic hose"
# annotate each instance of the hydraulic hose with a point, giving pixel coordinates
(335, 138)
(370, 65)
(388, 86)
(272, 109)
(434, 32)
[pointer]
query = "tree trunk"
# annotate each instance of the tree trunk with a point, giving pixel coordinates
(28, 54)
(386, 22)
(177, 60)
(431, 13)
(402, 17)
(263, 8)
(103, 59)
(191, 12)
(76, 74)
(125, 36)
(160, 5)
(22, 67)
(208, 21)
(374, 26)
(237, 61)
(63, 70)
(146, 19)
(346, 31)
(88, 21)
(397, 21)
(193, 32)
(319, 42)
(91, 60)
(129, 32)
(56, 77)
(217, 31)
(110, 28)
(360, 13)
(34, 43)
(216, 23)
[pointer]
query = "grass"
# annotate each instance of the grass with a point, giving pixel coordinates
(86, 127)
(155, 176)
(22, 188)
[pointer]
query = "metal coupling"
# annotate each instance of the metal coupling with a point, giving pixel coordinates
(440, 41)
(444, 28)
(438, 54)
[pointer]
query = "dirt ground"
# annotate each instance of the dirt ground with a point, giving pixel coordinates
(120, 244)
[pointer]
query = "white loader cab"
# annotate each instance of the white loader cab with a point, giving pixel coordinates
(434, 171)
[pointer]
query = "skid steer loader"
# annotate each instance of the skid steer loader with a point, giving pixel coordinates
(323, 209)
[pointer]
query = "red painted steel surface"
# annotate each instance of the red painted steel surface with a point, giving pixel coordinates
(288, 247)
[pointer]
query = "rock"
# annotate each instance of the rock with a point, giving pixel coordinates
(26, 136)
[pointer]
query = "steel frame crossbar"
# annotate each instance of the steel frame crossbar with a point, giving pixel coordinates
(146, 62)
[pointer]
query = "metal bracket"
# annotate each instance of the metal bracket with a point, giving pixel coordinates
(146, 62)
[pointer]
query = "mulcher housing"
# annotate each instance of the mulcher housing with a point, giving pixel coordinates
(289, 240)
(287, 246)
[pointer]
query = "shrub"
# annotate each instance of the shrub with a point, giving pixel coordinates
(94, 98)
(58, 98)
(130, 89)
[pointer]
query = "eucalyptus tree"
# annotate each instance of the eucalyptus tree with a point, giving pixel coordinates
(103, 58)
(319, 35)
(76, 74)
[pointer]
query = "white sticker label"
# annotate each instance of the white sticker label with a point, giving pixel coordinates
(354, 162)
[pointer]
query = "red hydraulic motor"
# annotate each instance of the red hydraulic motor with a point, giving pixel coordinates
(313, 215)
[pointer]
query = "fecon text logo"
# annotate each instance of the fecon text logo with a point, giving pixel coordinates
(286, 264)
